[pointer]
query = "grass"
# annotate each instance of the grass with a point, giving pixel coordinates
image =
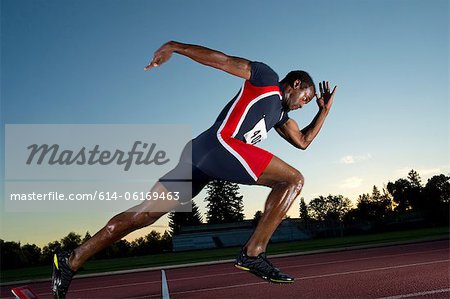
(177, 258)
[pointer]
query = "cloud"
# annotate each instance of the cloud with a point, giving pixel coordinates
(351, 159)
(351, 183)
(430, 171)
(347, 160)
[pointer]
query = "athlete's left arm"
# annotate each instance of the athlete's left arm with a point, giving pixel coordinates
(303, 138)
(233, 65)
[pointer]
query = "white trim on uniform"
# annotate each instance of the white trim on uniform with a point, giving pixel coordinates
(219, 136)
(229, 148)
(264, 95)
(237, 156)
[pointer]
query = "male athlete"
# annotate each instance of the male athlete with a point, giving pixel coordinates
(227, 151)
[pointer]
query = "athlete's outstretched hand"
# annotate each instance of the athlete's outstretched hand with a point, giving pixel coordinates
(161, 55)
(326, 97)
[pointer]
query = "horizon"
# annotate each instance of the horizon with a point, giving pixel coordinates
(162, 228)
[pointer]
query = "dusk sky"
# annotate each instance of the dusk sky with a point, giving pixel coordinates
(81, 62)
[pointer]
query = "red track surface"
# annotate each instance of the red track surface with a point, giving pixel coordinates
(405, 271)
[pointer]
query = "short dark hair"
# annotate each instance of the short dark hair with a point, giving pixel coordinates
(304, 77)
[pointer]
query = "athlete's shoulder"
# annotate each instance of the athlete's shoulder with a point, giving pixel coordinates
(262, 74)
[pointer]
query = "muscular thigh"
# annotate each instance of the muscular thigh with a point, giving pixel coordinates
(278, 171)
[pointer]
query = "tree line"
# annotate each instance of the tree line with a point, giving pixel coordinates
(397, 203)
(396, 200)
(15, 255)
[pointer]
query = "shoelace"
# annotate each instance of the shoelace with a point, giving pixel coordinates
(264, 257)
(263, 264)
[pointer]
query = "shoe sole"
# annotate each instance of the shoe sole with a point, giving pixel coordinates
(277, 281)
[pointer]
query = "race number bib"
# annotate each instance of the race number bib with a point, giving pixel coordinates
(256, 134)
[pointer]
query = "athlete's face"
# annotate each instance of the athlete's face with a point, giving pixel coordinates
(295, 97)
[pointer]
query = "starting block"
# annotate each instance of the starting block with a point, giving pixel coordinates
(24, 292)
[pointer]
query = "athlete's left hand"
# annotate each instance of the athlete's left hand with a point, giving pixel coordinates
(326, 97)
(161, 55)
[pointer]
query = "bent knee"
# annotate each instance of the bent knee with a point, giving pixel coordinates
(297, 180)
(127, 222)
(293, 180)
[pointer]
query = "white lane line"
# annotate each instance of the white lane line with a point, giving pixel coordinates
(363, 258)
(417, 294)
(164, 287)
(307, 265)
(314, 276)
(375, 269)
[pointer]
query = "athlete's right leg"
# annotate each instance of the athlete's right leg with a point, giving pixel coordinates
(286, 183)
(118, 227)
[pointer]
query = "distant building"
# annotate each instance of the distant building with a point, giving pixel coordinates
(231, 234)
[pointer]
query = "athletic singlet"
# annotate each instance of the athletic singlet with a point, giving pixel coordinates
(255, 109)
(227, 151)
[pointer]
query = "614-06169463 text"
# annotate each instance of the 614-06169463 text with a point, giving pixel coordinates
(97, 195)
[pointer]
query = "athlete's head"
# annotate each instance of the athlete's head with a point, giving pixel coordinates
(298, 89)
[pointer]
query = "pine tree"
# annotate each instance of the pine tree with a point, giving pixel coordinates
(180, 219)
(414, 179)
(415, 193)
(376, 195)
(303, 210)
(224, 202)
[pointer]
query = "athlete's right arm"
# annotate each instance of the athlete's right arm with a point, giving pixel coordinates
(233, 65)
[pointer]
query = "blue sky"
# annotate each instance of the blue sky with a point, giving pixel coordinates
(81, 62)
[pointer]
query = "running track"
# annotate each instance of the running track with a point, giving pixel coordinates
(404, 271)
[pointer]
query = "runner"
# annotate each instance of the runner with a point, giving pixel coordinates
(227, 151)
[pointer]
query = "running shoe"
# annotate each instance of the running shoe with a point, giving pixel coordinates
(62, 274)
(262, 267)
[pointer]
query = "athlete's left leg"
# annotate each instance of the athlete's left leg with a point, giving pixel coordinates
(66, 263)
(184, 178)
(118, 227)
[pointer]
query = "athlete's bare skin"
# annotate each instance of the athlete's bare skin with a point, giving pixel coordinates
(285, 181)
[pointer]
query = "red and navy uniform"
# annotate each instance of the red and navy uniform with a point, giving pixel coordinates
(227, 150)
